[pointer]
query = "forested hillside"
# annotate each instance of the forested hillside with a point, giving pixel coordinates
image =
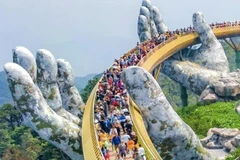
(5, 95)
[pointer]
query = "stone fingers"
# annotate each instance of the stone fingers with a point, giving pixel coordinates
(171, 136)
(190, 75)
(144, 32)
(71, 98)
(150, 22)
(158, 20)
(39, 116)
(47, 74)
(25, 58)
(211, 54)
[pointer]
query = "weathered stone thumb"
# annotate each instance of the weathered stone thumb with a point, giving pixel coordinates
(171, 136)
(39, 116)
(211, 54)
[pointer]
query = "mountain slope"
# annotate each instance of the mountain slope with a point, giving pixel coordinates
(5, 95)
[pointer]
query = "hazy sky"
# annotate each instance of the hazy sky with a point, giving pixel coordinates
(90, 34)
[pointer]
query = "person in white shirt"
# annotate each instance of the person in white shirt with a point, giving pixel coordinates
(125, 138)
(141, 152)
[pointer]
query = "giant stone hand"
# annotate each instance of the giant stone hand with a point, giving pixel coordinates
(205, 72)
(150, 22)
(44, 93)
(170, 135)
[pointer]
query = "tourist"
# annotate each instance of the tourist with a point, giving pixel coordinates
(130, 147)
(116, 142)
(123, 150)
(141, 152)
(125, 138)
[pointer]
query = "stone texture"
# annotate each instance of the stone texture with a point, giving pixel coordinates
(47, 82)
(236, 141)
(144, 31)
(147, 13)
(208, 96)
(158, 20)
(211, 54)
(190, 75)
(171, 136)
(228, 146)
(147, 4)
(25, 58)
(71, 98)
(39, 116)
(156, 25)
(228, 85)
(227, 139)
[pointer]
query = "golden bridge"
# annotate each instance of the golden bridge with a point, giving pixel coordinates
(152, 60)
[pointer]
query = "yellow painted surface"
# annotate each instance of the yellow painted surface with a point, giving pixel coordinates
(160, 53)
(91, 148)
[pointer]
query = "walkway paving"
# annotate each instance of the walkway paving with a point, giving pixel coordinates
(113, 154)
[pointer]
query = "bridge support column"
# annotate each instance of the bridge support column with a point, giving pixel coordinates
(237, 60)
(157, 71)
(184, 96)
(154, 72)
(236, 48)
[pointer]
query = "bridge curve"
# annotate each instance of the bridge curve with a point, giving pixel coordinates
(91, 148)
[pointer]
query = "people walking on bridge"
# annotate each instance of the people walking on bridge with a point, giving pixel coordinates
(141, 152)
(123, 150)
(116, 142)
(130, 146)
(125, 138)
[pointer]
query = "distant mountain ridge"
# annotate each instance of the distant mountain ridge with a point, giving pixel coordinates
(6, 97)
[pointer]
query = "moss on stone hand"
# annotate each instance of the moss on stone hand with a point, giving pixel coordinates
(133, 96)
(201, 150)
(163, 125)
(167, 146)
(23, 100)
(32, 69)
(52, 95)
(153, 121)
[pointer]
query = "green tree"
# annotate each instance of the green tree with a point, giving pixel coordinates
(10, 116)
(18, 142)
(25, 146)
(88, 89)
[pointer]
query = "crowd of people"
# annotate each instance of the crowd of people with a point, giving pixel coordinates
(112, 117)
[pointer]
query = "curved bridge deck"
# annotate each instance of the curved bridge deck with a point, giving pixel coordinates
(91, 148)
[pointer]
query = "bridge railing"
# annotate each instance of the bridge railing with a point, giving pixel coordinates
(91, 147)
